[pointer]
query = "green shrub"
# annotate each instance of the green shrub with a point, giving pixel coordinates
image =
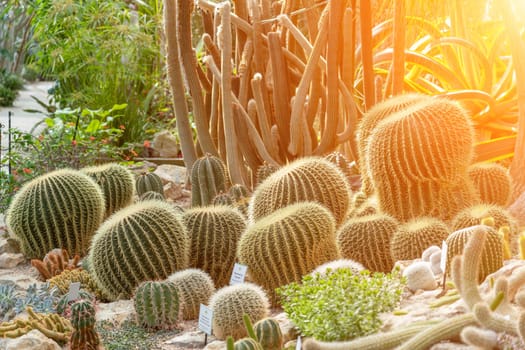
(341, 305)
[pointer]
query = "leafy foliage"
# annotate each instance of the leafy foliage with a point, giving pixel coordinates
(41, 299)
(341, 305)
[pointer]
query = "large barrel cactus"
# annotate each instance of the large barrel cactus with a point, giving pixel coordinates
(288, 244)
(209, 177)
(142, 242)
(157, 304)
(214, 232)
(117, 184)
(306, 179)
(492, 182)
(61, 209)
(417, 159)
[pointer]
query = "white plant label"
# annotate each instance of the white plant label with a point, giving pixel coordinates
(298, 345)
(74, 288)
(443, 262)
(205, 319)
(238, 274)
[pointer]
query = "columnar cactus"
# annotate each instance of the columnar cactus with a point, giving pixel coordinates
(287, 244)
(209, 177)
(214, 232)
(367, 240)
(148, 182)
(374, 116)
(84, 335)
(417, 159)
(61, 209)
(117, 184)
(492, 182)
(144, 241)
(305, 179)
(195, 287)
(415, 236)
(229, 304)
(268, 334)
(157, 304)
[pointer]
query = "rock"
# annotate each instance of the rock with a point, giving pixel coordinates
(435, 263)
(171, 173)
(216, 345)
(10, 260)
(33, 340)
(166, 144)
(190, 340)
(429, 251)
(172, 191)
(419, 276)
(9, 245)
(117, 311)
(21, 280)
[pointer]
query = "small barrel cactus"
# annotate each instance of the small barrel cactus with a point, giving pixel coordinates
(117, 184)
(151, 195)
(268, 334)
(195, 287)
(492, 182)
(306, 179)
(367, 240)
(287, 244)
(61, 209)
(342, 163)
(157, 304)
(146, 182)
(142, 242)
(247, 344)
(84, 335)
(223, 199)
(214, 232)
(238, 192)
(264, 171)
(230, 303)
(209, 177)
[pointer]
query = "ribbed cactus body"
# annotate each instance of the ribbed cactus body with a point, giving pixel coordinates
(229, 304)
(417, 159)
(195, 287)
(247, 344)
(367, 240)
(152, 195)
(84, 335)
(117, 184)
(148, 182)
(268, 334)
(144, 241)
(157, 304)
(214, 232)
(370, 120)
(223, 199)
(287, 244)
(61, 209)
(209, 177)
(491, 256)
(306, 179)
(492, 182)
(265, 171)
(342, 163)
(415, 236)
(238, 192)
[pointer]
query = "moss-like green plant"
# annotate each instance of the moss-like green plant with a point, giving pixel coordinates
(117, 184)
(341, 305)
(492, 182)
(195, 287)
(61, 209)
(84, 335)
(157, 304)
(214, 232)
(231, 303)
(305, 179)
(287, 244)
(209, 177)
(141, 242)
(146, 182)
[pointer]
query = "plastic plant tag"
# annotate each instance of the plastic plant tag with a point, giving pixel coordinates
(74, 288)
(443, 262)
(205, 319)
(238, 274)
(298, 345)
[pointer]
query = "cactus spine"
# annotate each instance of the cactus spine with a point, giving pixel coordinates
(146, 182)
(84, 335)
(117, 184)
(214, 233)
(144, 241)
(287, 244)
(230, 303)
(209, 177)
(61, 209)
(268, 334)
(492, 182)
(306, 179)
(157, 304)
(195, 287)
(417, 159)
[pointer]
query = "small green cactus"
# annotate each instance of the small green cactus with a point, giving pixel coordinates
(492, 182)
(264, 171)
(61, 209)
(148, 182)
(157, 304)
(117, 184)
(342, 163)
(238, 192)
(84, 335)
(248, 344)
(223, 199)
(141, 242)
(152, 195)
(268, 334)
(209, 177)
